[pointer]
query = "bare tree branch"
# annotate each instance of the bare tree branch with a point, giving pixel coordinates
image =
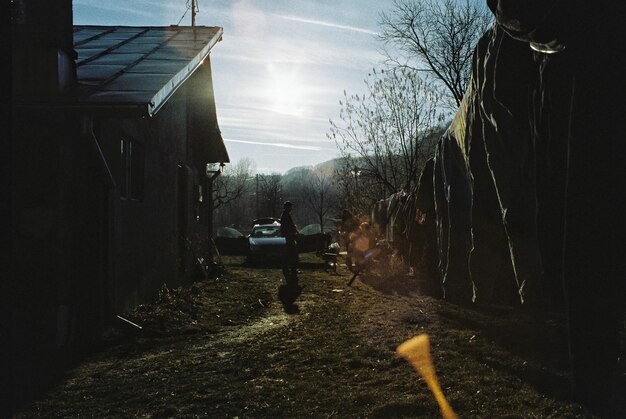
(231, 185)
(271, 190)
(437, 36)
(387, 134)
(320, 196)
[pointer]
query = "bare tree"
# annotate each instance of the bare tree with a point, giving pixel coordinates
(270, 191)
(231, 185)
(294, 183)
(437, 36)
(320, 195)
(356, 193)
(387, 135)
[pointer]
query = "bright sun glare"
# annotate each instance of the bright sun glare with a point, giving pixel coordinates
(285, 92)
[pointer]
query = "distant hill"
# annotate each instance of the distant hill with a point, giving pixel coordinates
(328, 167)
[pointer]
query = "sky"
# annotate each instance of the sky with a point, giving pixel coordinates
(279, 71)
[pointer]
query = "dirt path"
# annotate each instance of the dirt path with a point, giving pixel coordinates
(227, 348)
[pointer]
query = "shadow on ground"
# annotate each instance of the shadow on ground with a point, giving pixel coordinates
(537, 341)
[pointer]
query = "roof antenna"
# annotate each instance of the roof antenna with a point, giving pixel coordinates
(194, 10)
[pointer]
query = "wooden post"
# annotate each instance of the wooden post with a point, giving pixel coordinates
(193, 13)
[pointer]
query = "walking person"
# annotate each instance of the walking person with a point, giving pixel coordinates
(290, 258)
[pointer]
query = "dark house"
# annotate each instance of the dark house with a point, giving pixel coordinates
(112, 132)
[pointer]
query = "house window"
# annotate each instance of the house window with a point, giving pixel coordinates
(132, 169)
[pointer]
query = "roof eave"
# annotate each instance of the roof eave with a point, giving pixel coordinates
(167, 91)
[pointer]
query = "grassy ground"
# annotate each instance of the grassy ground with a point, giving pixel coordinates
(227, 347)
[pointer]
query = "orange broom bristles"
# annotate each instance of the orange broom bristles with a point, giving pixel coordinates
(417, 352)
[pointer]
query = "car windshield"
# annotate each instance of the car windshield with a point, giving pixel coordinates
(266, 231)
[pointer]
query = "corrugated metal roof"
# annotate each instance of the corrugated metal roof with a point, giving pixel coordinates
(136, 68)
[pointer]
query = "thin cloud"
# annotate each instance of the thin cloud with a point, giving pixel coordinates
(118, 7)
(327, 24)
(281, 145)
(263, 60)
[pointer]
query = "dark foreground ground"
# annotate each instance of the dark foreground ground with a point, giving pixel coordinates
(228, 348)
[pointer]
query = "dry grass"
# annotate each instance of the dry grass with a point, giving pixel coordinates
(227, 348)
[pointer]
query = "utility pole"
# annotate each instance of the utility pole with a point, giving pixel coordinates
(193, 12)
(257, 195)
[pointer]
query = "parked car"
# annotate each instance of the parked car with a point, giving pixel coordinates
(311, 239)
(265, 220)
(265, 241)
(230, 241)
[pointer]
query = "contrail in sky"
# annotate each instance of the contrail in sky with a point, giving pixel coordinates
(283, 145)
(327, 24)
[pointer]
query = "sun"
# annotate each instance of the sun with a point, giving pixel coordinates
(286, 93)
